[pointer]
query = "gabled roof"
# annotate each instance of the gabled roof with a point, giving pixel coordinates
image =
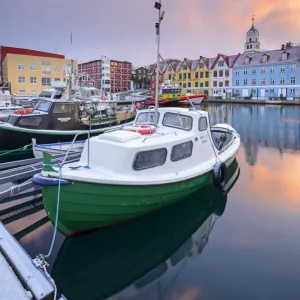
(162, 68)
(274, 57)
(229, 60)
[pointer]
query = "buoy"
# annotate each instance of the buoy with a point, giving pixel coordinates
(142, 129)
(24, 111)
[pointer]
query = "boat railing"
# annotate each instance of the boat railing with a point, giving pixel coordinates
(159, 134)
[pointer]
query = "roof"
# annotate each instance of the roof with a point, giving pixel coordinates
(274, 57)
(229, 60)
(22, 51)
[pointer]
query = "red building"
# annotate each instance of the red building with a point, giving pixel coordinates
(115, 76)
(152, 75)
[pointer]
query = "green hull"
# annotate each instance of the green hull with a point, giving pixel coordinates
(84, 206)
(11, 155)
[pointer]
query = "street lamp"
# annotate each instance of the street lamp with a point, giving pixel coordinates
(158, 5)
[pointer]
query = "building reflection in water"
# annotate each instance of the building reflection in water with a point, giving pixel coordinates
(260, 126)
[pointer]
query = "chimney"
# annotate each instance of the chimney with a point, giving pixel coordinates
(282, 47)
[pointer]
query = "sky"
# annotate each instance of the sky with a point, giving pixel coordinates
(124, 29)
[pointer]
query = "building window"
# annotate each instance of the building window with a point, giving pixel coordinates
(227, 73)
(272, 70)
(56, 69)
(254, 71)
(293, 68)
(282, 80)
(237, 72)
(284, 56)
(197, 75)
(206, 74)
(272, 91)
(221, 73)
(292, 91)
(253, 81)
(189, 75)
(293, 80)
(247, 60)
(201, 65)
(201, 84)
(46, 67)
(21, 67)
(196, 84)
(56, 79)
(272, 81)
(221, 84)
(221, 63)
(184, 67)
(253, 91)
(189, 84)
(265, 58)
(201, 74)
(33, 91)
(263, 71)
(32, 79)
(206, 83)
(184, 75)
(215, 73)
(184, 85)
(22, 91)
(46, 81)
(245, 71)
(282, 68)
(245, 81)
(21, 79)
(170, 77)
(237, 82)
(226, 82)
(263, 81)
(32, 67)
(215, 83)
(180, 76)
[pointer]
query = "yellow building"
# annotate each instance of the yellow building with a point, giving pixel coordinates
(29, 75)
(170, 73)
(194, 74)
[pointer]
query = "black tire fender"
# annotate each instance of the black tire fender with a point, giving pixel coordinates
(220, 175)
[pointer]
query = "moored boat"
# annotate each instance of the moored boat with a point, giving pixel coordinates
(150, 165)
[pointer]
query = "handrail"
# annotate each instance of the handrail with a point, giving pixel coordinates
(159, 134)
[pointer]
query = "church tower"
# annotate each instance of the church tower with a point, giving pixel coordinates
(252, 39)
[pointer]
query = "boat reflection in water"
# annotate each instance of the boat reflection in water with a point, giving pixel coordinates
(129, 257)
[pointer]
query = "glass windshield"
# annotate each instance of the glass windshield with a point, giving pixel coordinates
(43, 105)
(146, 118)
(95, 93)
(85, 93)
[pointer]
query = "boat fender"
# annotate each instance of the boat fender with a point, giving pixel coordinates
(220, 175)
(39, 180)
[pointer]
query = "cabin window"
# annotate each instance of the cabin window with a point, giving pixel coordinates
(150, 159)
(178, 121)
(202, 124)
(45, 94)
(43, 106)
(32, 121)
(182, 151)
(63, 108)
(146, 118)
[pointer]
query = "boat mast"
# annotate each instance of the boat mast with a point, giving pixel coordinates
(157, 25)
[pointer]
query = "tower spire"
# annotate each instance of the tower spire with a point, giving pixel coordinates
(253, 19)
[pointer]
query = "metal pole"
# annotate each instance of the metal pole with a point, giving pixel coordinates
(157, 64)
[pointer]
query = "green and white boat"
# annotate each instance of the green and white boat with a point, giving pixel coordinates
(124, 174)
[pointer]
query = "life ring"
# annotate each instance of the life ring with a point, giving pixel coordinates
(24, 111)
(142, 129)
(220, 175)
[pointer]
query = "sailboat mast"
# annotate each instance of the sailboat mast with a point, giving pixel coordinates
(157, 25)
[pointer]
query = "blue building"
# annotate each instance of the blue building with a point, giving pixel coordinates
(269, 74)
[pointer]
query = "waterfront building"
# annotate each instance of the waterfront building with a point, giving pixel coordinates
(28, 72)
(152, 75)
(221, 75)
(266, 74)
(111, 75)
(141, 78)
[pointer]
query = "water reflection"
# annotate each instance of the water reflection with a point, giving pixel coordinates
(260, 126)
(127, 259)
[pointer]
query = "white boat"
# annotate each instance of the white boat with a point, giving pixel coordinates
(5, 98)
(56, 148)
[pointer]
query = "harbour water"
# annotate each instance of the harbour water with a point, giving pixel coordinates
(243, 244)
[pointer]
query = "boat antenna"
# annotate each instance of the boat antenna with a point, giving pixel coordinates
(157, 26)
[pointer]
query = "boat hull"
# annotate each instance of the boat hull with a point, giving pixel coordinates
(84, 206)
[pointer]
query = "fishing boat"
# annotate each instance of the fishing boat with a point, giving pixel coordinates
(143, 252)
(53, 121)
(164, 156)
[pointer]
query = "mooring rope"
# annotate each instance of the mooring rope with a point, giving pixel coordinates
(21, 148)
